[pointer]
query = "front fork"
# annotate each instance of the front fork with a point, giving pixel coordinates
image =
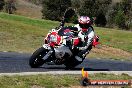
(49, 53)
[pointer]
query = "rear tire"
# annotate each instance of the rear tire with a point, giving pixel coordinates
(71, 63)
(36, 58)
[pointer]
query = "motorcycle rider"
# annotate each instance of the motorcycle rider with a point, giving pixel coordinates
(86, 35)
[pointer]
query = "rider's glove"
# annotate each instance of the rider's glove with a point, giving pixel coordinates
(83, 48)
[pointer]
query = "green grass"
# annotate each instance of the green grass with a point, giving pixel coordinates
(19, 37)
(46, 24)
(47, 81)
(53, 81)
(115, 38)
(22, 34)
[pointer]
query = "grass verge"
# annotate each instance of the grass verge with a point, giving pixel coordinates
(115, 38)
(53, 81)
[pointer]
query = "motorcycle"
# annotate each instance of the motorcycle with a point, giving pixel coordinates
(61, 46)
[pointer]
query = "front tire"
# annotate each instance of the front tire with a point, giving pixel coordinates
(36, 58)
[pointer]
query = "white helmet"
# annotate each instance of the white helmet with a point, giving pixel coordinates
(84, 22)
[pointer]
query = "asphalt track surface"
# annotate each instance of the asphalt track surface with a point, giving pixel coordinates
(12, 62)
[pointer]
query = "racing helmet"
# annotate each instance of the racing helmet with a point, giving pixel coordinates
(84, 22)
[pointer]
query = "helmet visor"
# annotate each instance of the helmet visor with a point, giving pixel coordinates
(84, 26)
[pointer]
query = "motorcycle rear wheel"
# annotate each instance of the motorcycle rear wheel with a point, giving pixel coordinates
(71, 63)
(36, 58)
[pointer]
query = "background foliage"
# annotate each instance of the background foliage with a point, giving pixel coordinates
(106, 12)
(2, 3)
(54, 9)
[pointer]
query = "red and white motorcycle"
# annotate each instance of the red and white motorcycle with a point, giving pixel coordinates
(61, 46)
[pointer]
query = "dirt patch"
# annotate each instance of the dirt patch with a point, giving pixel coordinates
(110, 52)
(28, 9)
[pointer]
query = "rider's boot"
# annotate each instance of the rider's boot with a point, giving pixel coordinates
(81, 56)
(78, 58)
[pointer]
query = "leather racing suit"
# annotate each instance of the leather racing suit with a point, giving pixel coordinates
(86, 39)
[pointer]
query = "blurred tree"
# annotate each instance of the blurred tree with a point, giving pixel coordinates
(2, 3)
(76, 4)
(37, 2)
(126, 6)
(10, 6)
(95, 8)
(120, 14)
(120, 19)
(100, 20)
(54, 9)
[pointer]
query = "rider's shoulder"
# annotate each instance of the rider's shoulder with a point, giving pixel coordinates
(91, 28)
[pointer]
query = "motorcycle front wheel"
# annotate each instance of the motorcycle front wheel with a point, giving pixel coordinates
(36, 58)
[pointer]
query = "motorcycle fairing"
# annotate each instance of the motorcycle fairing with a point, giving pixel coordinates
(95, 41)
(61, 51)
(53, 38)
(69, 30)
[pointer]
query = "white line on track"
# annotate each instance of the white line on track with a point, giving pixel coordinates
(66, 72)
